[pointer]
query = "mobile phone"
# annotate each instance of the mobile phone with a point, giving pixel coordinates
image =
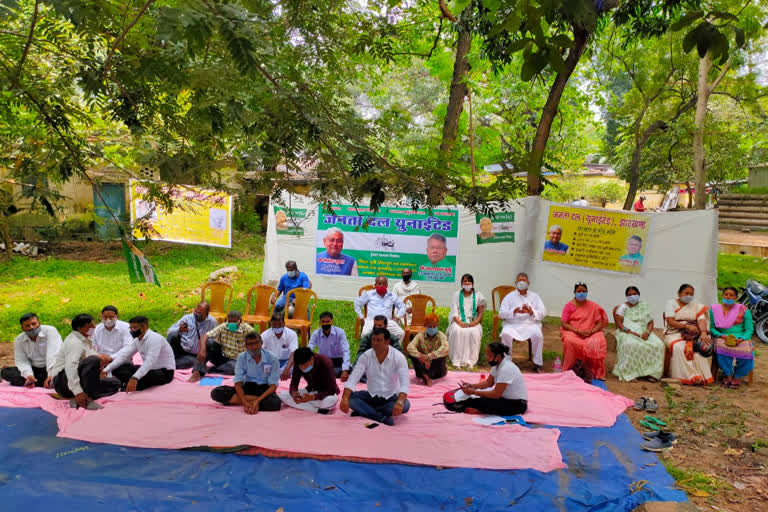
(371, 425)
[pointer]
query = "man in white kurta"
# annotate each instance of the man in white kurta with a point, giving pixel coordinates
(381, 301)
(522, 312)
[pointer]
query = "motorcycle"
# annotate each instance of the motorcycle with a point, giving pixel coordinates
(755, 298)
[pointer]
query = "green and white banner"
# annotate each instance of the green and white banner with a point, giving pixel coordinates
(495, 229)
(288, 221)
(354, 241)
(140, 270)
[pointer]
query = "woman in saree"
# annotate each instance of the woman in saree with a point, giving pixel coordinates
(640, 353)
(465, 331)
(731, 325)
(581, 330)
(687, 323)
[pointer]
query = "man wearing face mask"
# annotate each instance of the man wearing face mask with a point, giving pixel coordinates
(331, 341)
(321, 392)
(111, 335)
(34, 352)
(281, 342)
(292, 278)
(76, 371)
(428, 351)
(381, 301)
(184, 336)
(221, 346)
(157, 361)
(256, 379)
(522, 312)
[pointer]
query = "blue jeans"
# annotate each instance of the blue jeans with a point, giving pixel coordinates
(743, 366)
(375, 407)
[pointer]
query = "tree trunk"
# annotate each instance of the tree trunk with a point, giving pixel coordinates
(634, 167)
(6, 236)
(458, 91)
(536, 156)
(699, 171)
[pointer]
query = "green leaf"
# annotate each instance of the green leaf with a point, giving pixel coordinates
(724, 15)
(561, 40)
(686, 20)
(740, 38)
(691, 37)
(528, 70)
(518, 45)
(556, 60)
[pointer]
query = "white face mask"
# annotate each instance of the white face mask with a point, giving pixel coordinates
(467, 287)
(90, 332)
(686, 298)
(521, 285)
(109, 322)
(633, 299)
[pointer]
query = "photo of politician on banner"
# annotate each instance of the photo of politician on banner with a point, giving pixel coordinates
(596, 239)
(354, 241)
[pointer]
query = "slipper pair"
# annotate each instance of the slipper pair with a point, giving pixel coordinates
(653, 423)
(731, 384)
(645, 403)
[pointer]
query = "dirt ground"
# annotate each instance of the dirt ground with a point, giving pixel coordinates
(716, 429)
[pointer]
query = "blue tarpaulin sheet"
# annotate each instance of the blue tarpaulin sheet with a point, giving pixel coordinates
(38, 470)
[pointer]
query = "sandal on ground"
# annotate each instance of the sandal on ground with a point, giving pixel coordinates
(649, 425)
(655, 420)
(641, 403)
(652, 380)
(734, 384)
(651, 405)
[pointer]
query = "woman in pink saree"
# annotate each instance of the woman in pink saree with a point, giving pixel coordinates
(581, 329)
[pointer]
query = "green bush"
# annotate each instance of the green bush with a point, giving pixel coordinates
(79, 223)
(246, 221)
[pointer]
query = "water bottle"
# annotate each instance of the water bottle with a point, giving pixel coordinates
(558, 365)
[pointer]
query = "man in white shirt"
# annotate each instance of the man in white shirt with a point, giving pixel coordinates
(581, 202)
(388, 383)
(381, 301)
(77, 368)
(111, 335)
(157, 361)
(522, 312)
(281, 342)
(34, 352)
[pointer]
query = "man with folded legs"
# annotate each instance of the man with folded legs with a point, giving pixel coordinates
(321, 392)
(34, 352)
(428, 351)
(157, 361)
(184, 335)
(257, 372)
(388, 383)
(76, 371)
(221, 346)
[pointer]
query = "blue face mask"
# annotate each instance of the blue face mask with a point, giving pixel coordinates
(277, 330)
(308, 369)
(255, 353)
(431, 331)
(580, 295)
(232, 326)
(729, 302)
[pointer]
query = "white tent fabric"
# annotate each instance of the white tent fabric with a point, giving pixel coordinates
(681, 248)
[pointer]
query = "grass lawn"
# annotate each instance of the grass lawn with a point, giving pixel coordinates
(58, 289)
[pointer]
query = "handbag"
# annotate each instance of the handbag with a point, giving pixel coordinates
(698, 347)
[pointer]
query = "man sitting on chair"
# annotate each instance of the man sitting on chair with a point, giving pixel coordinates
(380, 302)
(321, 392)
(522, 312)
(221, 346)
(293, 278)
(388, 383)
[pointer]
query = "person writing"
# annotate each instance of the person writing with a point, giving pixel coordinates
(503, 393)
(321, 392)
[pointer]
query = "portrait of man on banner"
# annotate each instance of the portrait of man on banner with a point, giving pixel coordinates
(553, 243)
(332, 261)
(633, 256)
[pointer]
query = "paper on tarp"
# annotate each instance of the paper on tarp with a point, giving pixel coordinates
(682, 248)
(140, 270)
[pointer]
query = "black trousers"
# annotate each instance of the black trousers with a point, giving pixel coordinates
(124, 372)
(498, 406)
(224, 394)
(437, 368)
(13, 375)
(93, 386)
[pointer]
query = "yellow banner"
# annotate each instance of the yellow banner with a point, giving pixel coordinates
(597, 239)
(200, 216)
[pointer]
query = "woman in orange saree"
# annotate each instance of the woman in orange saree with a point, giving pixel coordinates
(581, 330)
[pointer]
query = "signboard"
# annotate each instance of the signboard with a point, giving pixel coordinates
(598, 239)
(495, 229)
(354, 241)
(288, 221)
(200, 216)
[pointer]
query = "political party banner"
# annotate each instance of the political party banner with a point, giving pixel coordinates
(140, 270)
(496, 228)
(597, 239)
(355, 241)
(288, 221)
(200, 216)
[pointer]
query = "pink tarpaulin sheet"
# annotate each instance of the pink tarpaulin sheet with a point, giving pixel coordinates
(180, 415)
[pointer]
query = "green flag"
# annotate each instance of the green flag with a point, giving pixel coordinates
(140, 269)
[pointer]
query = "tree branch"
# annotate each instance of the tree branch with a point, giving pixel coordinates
(719, 77)
(122, 35)
(17, 74)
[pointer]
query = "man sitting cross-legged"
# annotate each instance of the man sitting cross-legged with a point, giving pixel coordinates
(428, 351)
(321, 392)
(257, 372)
(34, 351)
(388, 382)
(221, 346)
(157, 361)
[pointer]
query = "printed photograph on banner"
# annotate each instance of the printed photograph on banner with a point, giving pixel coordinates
(598, 239)
(353, 241)
(496, 228)
(200, 216)
(288, 221)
